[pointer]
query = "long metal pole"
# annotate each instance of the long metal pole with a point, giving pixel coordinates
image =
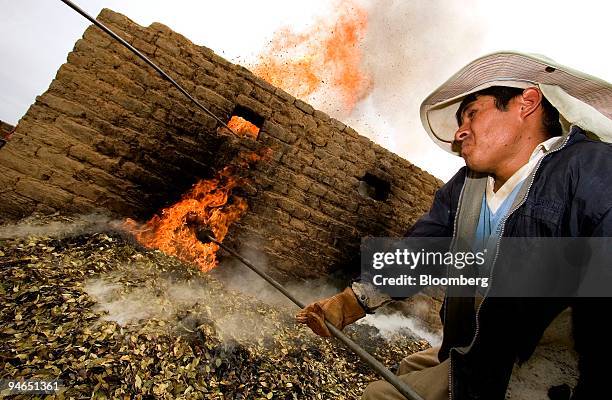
(402, 387)
(145, 59)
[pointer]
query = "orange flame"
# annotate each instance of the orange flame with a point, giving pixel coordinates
(243, 127)
(207, 203)
(326, 57)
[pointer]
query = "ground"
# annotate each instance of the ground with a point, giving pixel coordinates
(111, 319)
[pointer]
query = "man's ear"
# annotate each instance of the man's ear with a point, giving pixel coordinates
(530, 101)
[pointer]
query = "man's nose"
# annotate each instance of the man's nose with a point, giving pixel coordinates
(462, 133)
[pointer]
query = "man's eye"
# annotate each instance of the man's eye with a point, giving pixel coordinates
(471, 113)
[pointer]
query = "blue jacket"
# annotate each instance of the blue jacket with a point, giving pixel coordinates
(569, 194)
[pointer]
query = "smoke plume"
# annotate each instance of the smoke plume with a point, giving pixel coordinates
(80, 225)
(390, 325)
(410, 48)
(169, 301)
(236, 276)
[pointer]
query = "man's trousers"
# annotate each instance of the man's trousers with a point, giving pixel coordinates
(422, 372)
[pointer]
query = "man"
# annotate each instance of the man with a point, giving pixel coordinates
(532, 135)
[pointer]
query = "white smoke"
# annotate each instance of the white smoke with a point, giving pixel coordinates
(410, 48)
(167, 299)
(237, 276)
(164, 298)
(390, 325)
(35, 226)
(125, 308)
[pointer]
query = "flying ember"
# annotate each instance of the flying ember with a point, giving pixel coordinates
(324, 61)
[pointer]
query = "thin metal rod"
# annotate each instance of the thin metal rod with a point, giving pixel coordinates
(402, 387)
(145, 59)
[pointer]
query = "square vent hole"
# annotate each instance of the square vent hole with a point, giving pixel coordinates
(245, 122)
(374, 188)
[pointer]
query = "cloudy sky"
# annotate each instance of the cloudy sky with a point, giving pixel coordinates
(409, 49)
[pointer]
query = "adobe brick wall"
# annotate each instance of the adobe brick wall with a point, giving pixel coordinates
(110, 134)
(5, 129)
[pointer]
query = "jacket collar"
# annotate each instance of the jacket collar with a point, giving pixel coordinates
(468, 209)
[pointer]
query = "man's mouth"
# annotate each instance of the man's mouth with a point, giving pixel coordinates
(465, 150)
(462, 148)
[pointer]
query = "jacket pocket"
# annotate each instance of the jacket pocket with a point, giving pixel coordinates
(537, 218)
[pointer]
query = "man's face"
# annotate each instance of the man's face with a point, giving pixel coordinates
(488, 137)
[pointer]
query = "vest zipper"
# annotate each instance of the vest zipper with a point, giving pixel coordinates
(450, 359)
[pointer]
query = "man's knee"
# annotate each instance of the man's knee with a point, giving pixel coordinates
(419, 361)
(377, 390)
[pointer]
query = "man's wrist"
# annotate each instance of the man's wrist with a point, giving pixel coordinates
(369, 297)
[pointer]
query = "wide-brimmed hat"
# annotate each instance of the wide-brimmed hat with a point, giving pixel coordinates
(581, 99)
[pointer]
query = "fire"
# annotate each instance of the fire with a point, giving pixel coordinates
(207, 201)
(243, 127)
(328, 57)
(210, 202)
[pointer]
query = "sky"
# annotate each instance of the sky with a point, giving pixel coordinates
(409, 48)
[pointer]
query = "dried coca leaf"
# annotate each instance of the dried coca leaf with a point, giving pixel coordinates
(114, 320)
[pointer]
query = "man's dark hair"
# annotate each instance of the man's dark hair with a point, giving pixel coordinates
(503, 95)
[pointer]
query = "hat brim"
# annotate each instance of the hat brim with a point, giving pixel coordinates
(582, 99)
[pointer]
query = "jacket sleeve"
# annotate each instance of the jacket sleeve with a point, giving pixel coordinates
(438, 222)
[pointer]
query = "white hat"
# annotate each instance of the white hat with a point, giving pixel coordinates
(581, 99)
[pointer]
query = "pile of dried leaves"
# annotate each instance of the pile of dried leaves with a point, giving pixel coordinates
(113, 320)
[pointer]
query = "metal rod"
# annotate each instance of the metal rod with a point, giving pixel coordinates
(145, 59)
(390, 377)
(402, 387)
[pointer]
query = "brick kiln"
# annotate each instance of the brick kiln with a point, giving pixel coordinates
(110, 134)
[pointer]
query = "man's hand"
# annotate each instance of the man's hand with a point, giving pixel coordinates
(341, 310)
